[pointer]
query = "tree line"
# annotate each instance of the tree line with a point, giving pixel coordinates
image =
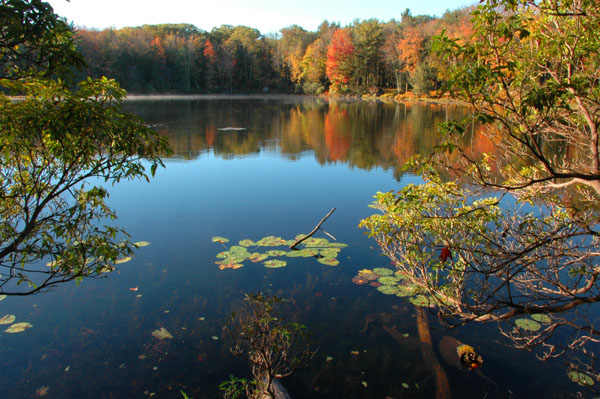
(367, 56)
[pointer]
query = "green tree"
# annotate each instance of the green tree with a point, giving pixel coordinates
(515, 234)
(368, 39)
(55, 146)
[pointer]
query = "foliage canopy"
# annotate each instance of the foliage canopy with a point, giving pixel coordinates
(59, 148)
(513, 231)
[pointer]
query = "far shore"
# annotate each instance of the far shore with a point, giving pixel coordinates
(272, 96)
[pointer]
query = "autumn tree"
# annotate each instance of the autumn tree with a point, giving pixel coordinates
(514, 237)
(55, 145)
(410, 48)
(340, 60)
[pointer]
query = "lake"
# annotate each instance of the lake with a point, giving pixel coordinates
(245, 168)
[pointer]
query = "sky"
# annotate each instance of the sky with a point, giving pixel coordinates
(268, 16)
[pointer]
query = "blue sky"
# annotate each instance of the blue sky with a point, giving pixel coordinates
(264, 15)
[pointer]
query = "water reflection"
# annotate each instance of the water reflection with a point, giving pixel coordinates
(362, 135)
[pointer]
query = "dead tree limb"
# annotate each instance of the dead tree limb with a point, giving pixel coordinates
(313, 231)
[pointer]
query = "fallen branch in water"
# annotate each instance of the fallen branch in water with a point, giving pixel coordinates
(314, 230)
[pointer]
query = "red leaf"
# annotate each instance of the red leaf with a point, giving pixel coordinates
(446, 254)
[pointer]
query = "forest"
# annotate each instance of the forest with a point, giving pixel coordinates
(367, 57)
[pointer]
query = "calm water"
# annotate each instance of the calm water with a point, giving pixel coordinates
(294, 161)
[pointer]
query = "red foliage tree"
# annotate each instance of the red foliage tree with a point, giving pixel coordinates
(340, 54)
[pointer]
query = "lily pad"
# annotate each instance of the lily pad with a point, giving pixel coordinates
(405, 291)
(528, 324)
(162, 334)
(388, 289)
(338, 245)
(247, 243)
(329, 252)
(303, 253)
(275, 263)
(388, 280)
(358, 280)
(329, 261)
(141, 244)
(368, 274)
(276, 252)
(233, 266)
(7, 319)
(541, 318)
(222, 240)
(256, 257)
(316, 242)
(581, 378)
(422, 300)
(383, 271)
(18, 327)
(271, 241)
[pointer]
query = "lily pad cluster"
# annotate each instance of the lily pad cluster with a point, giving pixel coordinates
(390, 282)
(265, 249)
(534, 323)
(9, 319)
(581, 378)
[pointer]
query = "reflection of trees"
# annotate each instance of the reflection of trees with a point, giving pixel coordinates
(363, 135)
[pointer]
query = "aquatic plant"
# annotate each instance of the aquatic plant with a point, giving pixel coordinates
(18, 327)
(528, 324)
(7, 319)
(234, 257)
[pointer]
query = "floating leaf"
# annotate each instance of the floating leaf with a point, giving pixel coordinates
(222, 240)
(541, 318)
(256, 257)
(18, 327)
(276, 252)
(271, 241)
(141, 244)
(162, 334)
(338, 245)
(316, 242)
(329, 252)
(383, 271)
(368, 274)
(2, 297)
(304, 253)
(247, 243)
(422, 300)
(581, 378)
(388, 289)
(405, 290)
(358, 280)
(275, 263)
(7, 319)
(388, 280)
(528, 324)
(123, 260)
(233, 266)
(329, 261)
(405, 385)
